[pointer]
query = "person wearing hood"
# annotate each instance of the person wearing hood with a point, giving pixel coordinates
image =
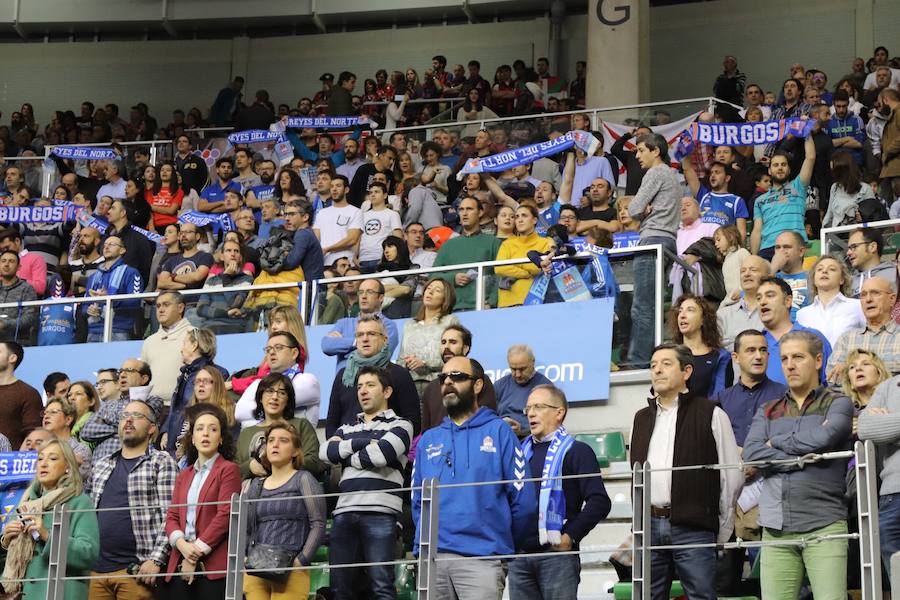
(473, 445)
(16, 325)
(111, 278)
(162, 349)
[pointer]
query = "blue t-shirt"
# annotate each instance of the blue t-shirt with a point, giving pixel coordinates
(547, 218)
(214, 193)
(773, 369)
(721, 208)
(851, 126)
(780, 210)
(119, 547)
(263, 192)
(800, 287)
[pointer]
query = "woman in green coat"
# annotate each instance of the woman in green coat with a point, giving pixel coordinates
(27, 536)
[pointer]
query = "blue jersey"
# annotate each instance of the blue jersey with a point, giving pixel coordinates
(800, 288)
(214, 193)
(263, 192)
(547, 218)
(721, 208)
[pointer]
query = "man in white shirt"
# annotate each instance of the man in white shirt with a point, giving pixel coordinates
(378, 223)
(339, 226)
(162, 350)
(688, 506)
(115, 185)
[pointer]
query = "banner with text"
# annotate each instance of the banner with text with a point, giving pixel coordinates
(740, 134)
(85, 153)
(329, 122)
(560, 350)
(526, 155)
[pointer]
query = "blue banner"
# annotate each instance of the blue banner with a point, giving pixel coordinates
(36, 214)
(85, 153)
(10, 496)
(253, 136)
(560, 351)
(17, 467)
(526, 155)
(153, 237)
(201, 219)
(740, 134)
(329, 122)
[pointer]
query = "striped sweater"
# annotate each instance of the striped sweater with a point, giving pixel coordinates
(373, 456)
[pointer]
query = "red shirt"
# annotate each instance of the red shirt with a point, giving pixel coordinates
(164, 199)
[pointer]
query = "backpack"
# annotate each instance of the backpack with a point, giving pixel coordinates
(871, 210)
(275, 250)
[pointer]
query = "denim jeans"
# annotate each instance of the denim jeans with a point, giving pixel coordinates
(545, 577)
(694, 567)
(368, 266)
(643, 308)
(117, 336)
(889, 527)
(374, 536)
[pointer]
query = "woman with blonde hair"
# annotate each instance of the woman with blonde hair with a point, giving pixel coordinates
(831, 310)
(865, 370)
(26, 538)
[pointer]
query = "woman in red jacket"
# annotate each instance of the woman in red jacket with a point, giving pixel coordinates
(165, 197)
(198, 532)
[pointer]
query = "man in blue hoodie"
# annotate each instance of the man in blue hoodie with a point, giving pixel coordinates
(472, 445)
(111, 278)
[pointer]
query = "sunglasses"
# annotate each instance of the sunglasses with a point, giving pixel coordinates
(455, 376)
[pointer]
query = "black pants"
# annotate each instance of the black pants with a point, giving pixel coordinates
(201, 589)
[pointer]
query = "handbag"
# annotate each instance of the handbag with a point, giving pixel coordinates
(275, 559)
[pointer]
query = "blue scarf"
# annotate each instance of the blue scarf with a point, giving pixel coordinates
(253, 136)
(85, 153)
(740, 134)
(526, 155)
(36, 214)
(552, 500)
(328, 122)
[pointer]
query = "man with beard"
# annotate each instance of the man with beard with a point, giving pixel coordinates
(455, 341)
(189, 268)
(84, 267)
(471, 445)
(352, 159)
(265, 190)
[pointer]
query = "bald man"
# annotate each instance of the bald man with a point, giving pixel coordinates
(739, 314)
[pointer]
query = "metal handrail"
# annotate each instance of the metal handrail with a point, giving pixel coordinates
(828, 231)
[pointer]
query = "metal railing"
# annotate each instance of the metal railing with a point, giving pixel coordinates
(867, 511)
(834, 239)
(308, 290)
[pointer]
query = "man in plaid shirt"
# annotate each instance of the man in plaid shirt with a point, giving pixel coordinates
(140, 478)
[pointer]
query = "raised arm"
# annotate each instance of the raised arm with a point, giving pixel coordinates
(565, 190)
(690, 175)
(809, 161)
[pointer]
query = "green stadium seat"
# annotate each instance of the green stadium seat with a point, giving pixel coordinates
(609, 446)
(319, 576)
(814, 248)
(622, 590)
(405, 582)
(321, 555)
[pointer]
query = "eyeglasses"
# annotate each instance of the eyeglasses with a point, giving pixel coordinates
(52, 412)
(455, 376)
(278, 393)
(204, 381)
(133, 416)
(104, 382)
(857, 245)
(361, 334)
(275, 348)
(538, 406)
(129, 370)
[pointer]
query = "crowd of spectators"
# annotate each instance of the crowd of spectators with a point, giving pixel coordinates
(796, 360)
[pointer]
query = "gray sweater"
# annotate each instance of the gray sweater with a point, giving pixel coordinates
(884, 430)
(661, 190)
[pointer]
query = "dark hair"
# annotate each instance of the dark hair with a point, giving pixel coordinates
(467, 103)
(15, 348)
(783, 285)
(402, 262)
(295, 187)
(682, 353)
(846, 173)
(870, 236)
(379, 185)
(342, 178)
(441, 59)
(568, 207)
(224, 160)
(268, 382)
(345, 76)
(11, 233)
(193, 413)
(475, 63)
(295, 439)
(465, 333)
(709, 328)
(743, 334)
(11, 253)
(113, 370)
(842, 95)
(430, 146)
(448, 303)
(52, 379)
(384, 377)
(654, 141)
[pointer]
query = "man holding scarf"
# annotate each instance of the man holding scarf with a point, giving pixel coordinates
(568, 509)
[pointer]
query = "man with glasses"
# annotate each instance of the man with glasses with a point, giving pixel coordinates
(568, 509)
(162, 350)
(282, 355)
(473, 445)
(514, 388)
(881, 334)
(133, 384)
(306, 252)
(111, 278)
(341, 340)
(140, 478)
(371, 349)
(107, 384)
(864, 248)
(373, 454)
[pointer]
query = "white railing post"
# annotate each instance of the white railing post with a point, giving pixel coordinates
(867, 513)
(658, 291)
(303, 301)
(314, 304)
(56, 568)
(479, 289)
(641, 527)
(107, 319)
(237, 543)
(428, 538)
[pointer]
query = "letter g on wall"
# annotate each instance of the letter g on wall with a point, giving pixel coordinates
(621, 14)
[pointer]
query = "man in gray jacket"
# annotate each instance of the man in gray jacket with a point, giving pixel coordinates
(657, 206)
(880, 422)
(15, 324)
(800, 501)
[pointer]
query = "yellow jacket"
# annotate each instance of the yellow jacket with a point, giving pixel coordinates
(518, 247)
(270, 298)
